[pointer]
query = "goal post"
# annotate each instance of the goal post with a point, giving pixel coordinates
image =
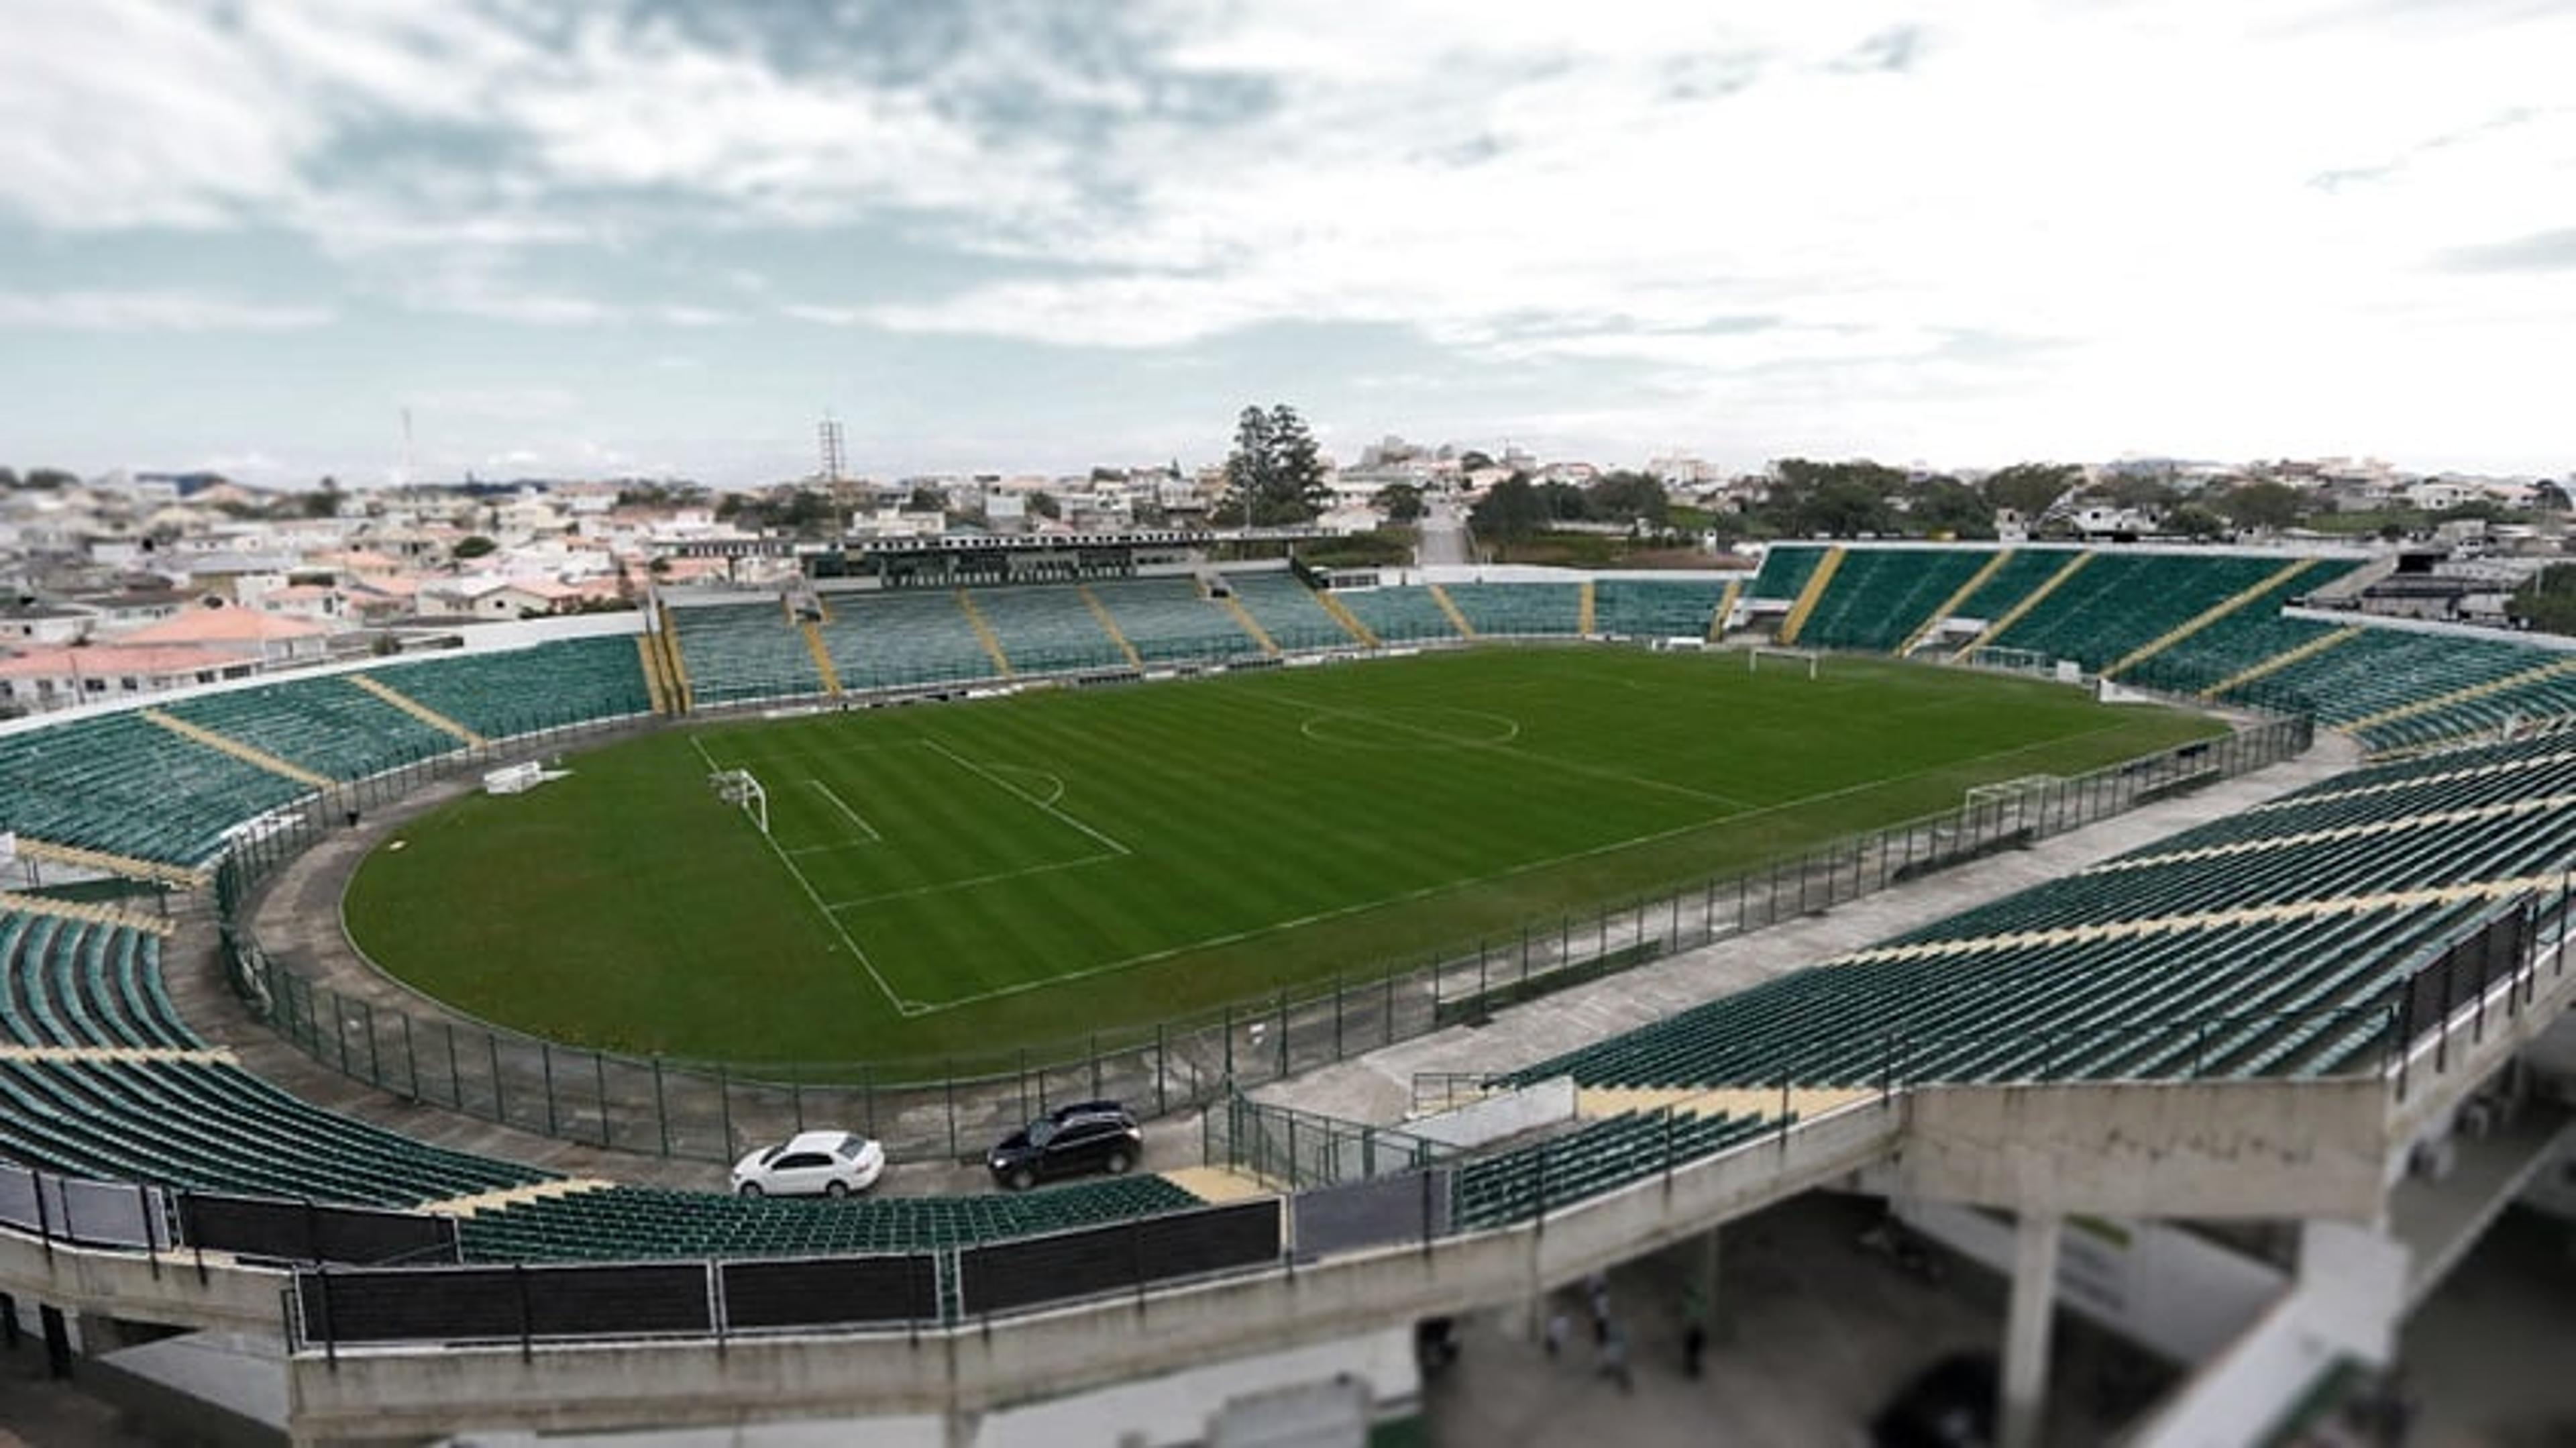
(742, 788)
(1780, 654)
(2006, 805)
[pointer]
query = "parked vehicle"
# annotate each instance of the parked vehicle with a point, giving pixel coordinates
(812, 1163)
(1951, 1404)
(1086, 1136)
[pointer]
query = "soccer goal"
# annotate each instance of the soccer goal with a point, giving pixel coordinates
(1779, 655)
(2009, 804)
(2019, 661)
(742, 787)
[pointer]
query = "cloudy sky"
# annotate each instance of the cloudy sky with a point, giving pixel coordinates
(1038, 234)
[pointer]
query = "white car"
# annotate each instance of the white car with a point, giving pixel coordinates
(812, 1163)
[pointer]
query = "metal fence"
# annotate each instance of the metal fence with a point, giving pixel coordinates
(951, 1107)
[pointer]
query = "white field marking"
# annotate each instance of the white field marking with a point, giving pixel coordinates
(902, 1006)
(940, 886)
(1057, 780)
(843, 806)
(789, 756)
(1500, 746)
(1044, 806)
(1511, 727)
(1425, 892)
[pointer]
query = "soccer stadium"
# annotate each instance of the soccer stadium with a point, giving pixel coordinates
(2162, 962)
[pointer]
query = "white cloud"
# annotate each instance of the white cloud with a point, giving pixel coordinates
(94, 311)
(2200, 223)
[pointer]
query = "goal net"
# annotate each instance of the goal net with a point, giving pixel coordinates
(742, 788)
(2019, 661)
(1780, 656)
(2008, 804)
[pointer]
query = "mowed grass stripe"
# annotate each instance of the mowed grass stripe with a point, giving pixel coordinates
(1307, 856)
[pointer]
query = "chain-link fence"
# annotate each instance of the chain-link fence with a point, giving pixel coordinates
(953, 1106)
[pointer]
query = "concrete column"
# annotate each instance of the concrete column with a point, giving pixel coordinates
(1704, 1280)
(2034, 1301)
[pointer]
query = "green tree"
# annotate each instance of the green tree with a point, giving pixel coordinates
(1472, 459)
(2193, 520)
(1946, 505)
(1629, 497)
(50, 479)
(926, 499)
(2140, 490)
(2028, 488)
(1297, 466)
(323, 502)
(2547, 600)
(1511, 511)
(1275, 475)
(1563, 502)
(1839, 500)
(8, 478)
(1401, 502)
(2262, 505)
(473, 546)
(1043, 503)
(1247, 468)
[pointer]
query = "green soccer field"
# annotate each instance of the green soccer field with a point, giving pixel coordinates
(968, 877)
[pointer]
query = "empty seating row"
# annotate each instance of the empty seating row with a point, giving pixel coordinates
(1526, 609)
(121, 783)
(81, 983)
(1786, 567)
(1169, 619)
(1601, 1156)
(2121, 601)
(1287, 611)
(630, 1222)
(1878, 597)
(736, 652)
(902, 639)
(503, 692)
(1046, 630)
(209, 1127)
(326, 724)
(1399, 613)
(1655, 608)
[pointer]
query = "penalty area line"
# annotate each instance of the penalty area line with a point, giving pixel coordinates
(902, 1006)
(843, 806)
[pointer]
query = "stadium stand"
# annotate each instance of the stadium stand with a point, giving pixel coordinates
(2023, 572)
(2122, 601)
(325, 724)
(1526, 609)
(741, 651)
(1785, 570)
(630, 1222)
(1045, 630)
(1652, 608)
(514, 691)
(1398, 614)
(2268, 943)
(1168, 619)
(1287, 611)
(117, 782)
(1504, 1187)
(902, 639)
(1880, 596)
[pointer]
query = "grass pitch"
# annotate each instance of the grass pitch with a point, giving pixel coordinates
(968, 877)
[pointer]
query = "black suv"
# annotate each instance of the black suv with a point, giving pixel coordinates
(1084, 1136)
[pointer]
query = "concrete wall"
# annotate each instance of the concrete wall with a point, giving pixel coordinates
(1046, 1355)
(1497, 1117)
(2151, 1149)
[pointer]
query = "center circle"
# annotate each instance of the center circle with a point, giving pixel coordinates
(1410, 726)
